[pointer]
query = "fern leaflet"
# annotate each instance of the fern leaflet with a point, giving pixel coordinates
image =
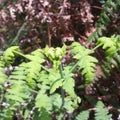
(112, 47)
(9, 55)
(86, 62)
(84, 115)
(102, 113)
(18, 91)
(107, 14)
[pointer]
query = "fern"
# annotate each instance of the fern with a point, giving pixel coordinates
(109, 8)
(85, 61)
(56, 79)
(33, 67)
(35, 91)
(112, 47)
(18, 90)
(43, 101)
(69, 82)
(3, 76)
(22, 77)
(102, 113)
(3, 80)
(9, 55)
(55, 55)
(84, 115)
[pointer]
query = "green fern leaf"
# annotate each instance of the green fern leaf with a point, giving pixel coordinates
(56, 100)
(7, 114)
(36, 55)
(33, 67)
(19, 90)
(3, 76)
(106, 16)
(42, 115)
(53, 76)
(9, 55)
(58, 83)
(55, 80)
(109, 11)
(68, 86)
(70, 104)
(109, 44)
(84, 115)
(102, 113)
(55, 55)
(43, 101)
(86, 62)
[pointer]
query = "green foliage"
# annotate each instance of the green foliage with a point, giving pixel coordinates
(3, 76)
(9, 55)
(55, 55)
(35, 85)
(18, 92)
(85, 61)
(102, 113)
(107, 14)
(111, 45)
(84, 115)
(43, 91)
(33, 66)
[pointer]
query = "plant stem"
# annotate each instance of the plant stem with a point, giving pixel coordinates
(62, 91)
(19, 53)
(30, 60)
(96, 47)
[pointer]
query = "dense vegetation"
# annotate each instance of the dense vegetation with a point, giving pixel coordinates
(59, 60)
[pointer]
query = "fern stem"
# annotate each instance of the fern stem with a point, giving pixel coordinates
(18, 53)
(45, 68)
(73, 68)
(62, 91)
(96, 47)
(30, 60)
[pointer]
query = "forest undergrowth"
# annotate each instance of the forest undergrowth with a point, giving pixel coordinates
(59, 60)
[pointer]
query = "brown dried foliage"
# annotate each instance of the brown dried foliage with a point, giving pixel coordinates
(49, 22)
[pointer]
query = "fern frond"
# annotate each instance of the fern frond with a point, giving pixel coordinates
(84, 115)
(43, 101)
(107, 14)
(86, 61)
(55, 55)
(42, 115)
(18, 92)
(3, 79)
(3, 76)
(109, 44)
(9, 55)
(102, 113)
(33, 67)
(112, 47)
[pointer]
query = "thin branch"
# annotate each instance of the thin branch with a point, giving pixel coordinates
(19, 33)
